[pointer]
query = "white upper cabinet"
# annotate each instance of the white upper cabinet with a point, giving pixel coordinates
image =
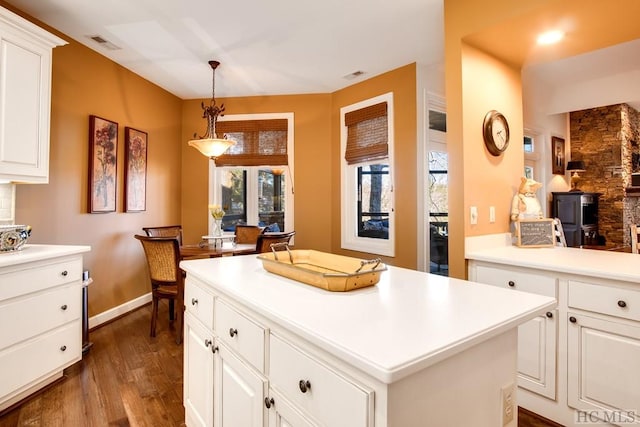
(25, 99)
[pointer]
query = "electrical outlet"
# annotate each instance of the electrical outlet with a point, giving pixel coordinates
(473, 215)
(508, 403)
(492, 214)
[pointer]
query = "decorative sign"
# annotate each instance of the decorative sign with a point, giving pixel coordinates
(535, 233)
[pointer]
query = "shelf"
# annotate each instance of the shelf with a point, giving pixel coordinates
(632, 191)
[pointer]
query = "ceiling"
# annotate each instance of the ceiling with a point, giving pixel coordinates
(265, 48)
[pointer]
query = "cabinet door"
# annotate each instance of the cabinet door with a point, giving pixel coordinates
(198, 374)
(25, 69)
(604, 365)
(239, 393)
(537, 338)
(283, 414)
(537, 355)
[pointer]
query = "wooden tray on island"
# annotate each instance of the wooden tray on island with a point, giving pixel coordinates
(336, 273)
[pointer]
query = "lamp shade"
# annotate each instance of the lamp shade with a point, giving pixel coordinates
(212, 147)
(576, 165)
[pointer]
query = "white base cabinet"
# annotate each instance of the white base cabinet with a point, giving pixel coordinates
(537, 338)
(595, 337)
(40, 310)
(25, 98)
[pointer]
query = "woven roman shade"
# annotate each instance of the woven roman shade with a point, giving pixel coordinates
(258, 142)
(367, 132)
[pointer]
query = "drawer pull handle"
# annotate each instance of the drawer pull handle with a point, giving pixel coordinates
(304, 385)
(63, 307)
(572, 319)
(194, 301)
(233, 332)
(214, 349)
(549, 314)
(622, 304)
(268, 402)
(511, 283)
(64, 273)
(63, 348)
(207, 343)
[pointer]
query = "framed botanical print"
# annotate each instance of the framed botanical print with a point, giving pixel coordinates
(103, 150)
(135, 172)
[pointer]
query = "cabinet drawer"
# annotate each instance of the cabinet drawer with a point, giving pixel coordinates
(240, 333)
(32, 361)
(24, 318)
(609, 300)
(519, 280)
(329, 397)
(199, 303)
(37, 278)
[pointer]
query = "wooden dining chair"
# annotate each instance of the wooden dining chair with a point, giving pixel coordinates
(246, 234)
(266, 239)
(634, 238)
(167, 280)
(165, 231)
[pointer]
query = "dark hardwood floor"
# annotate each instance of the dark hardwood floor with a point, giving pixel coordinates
(126, 379)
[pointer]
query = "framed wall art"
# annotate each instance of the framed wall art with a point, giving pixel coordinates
(557, 155)
(103, 150)
(135, 172)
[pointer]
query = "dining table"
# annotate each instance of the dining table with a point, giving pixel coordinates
(206, 250)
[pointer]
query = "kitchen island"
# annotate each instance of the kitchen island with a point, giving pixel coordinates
(580, 362)
(414, 350)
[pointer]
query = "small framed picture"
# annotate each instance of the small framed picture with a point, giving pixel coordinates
(557, 155)
(103, 151)
(135, 171)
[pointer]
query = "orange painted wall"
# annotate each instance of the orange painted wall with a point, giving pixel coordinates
(84, 83)
(402, 82)
(312, 164)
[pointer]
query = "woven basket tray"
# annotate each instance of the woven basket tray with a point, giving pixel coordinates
(331, 272)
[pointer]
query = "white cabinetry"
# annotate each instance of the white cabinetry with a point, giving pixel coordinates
(537, 338)
(225, 385)
(604, 351)
(40, 310)
(25, 98)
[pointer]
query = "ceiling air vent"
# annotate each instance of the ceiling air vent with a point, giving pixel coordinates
(354, 75)
(104, 42)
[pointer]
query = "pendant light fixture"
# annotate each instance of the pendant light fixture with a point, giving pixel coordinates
(209, 144)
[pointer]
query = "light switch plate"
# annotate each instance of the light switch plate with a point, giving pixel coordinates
(473, 215)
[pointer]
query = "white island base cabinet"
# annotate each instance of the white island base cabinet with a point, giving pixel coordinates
(249, 363)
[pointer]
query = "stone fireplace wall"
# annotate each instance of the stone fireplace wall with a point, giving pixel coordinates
(606, 139)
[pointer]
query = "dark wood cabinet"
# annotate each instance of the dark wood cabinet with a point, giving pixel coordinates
(578, 212)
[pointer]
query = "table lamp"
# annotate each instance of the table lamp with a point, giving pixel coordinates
(575, 166)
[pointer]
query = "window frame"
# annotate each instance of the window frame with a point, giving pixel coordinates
(349, 191)
(215, 194)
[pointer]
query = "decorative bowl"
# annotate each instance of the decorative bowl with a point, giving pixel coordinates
(13, 237)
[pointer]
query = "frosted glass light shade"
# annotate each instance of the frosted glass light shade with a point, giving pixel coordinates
(212, 147)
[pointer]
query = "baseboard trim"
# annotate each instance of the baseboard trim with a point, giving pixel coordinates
(115, 312)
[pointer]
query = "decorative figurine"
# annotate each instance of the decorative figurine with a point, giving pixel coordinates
(525, 204)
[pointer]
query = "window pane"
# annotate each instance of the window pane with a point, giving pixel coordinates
(528, 144)
(271, 198)
(437, 121)
(438, 187)
(528, 172)
(374, 201)
(234, 197)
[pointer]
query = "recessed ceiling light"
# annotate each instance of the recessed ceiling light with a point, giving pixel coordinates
(550, 37)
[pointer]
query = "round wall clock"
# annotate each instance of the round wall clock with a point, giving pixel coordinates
(495, 131)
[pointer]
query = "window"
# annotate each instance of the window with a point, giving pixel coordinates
(253, 181)
(367, 184)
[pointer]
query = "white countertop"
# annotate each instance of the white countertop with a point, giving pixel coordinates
(590, 262)
(407, 322)
(30, 253)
